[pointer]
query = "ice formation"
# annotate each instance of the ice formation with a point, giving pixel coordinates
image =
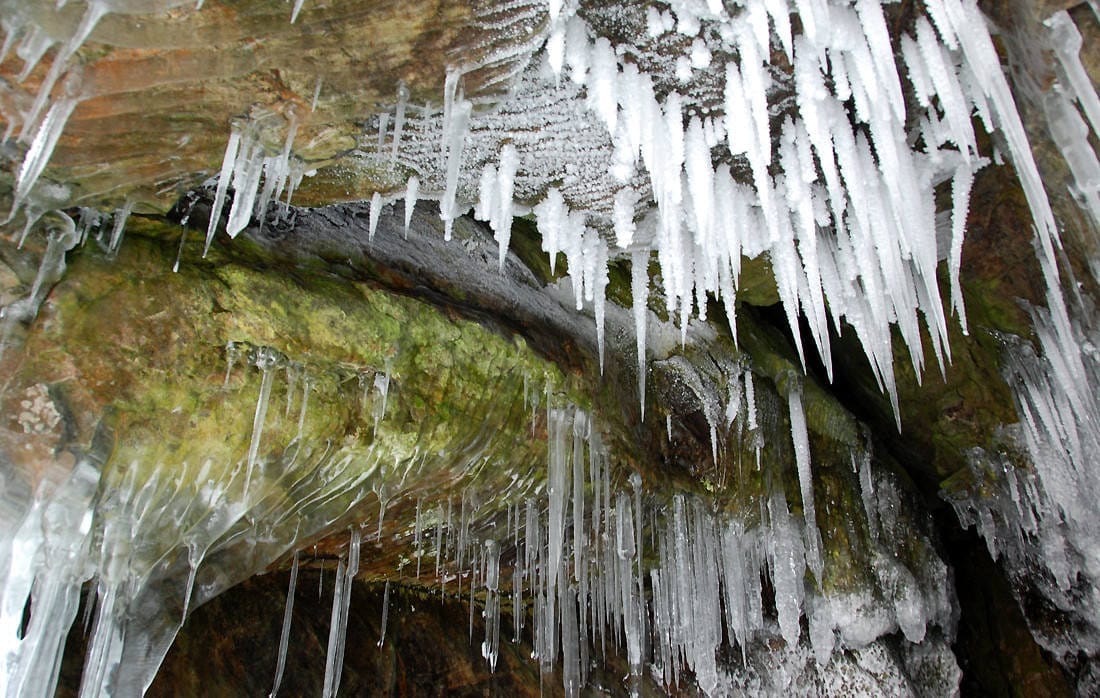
(836, 185)
(1041, 517)
(602, 565)
(822, 165)
(1040, 476)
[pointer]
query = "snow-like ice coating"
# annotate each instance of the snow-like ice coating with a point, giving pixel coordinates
(758, 138)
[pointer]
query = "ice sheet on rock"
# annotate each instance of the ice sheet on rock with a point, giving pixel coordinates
(1069, 131)
(1040, 520)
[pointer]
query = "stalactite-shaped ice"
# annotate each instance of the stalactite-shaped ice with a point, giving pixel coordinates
(490, 648)
(639, 292)
(121, 216)
(454, 131)
(785, 552)
(412, 191)
(51, 269)
(232, 148)
(960, 198)
(399, 118)
(284, 634)
(265, 361)
(293, 12)
(375, 212)
(43, 562)
(385, 614)
(42, 146)
(341, 602)
(805, 476)
(501, 221)
(1066, 41)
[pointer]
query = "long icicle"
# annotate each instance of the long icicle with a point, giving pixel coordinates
(284, 635)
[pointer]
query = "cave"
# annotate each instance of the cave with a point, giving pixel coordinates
(549, 347)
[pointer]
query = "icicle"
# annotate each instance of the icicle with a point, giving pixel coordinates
(121, 216)
(960, 202)
(787, 567)
(878, 40)
(382, 386)
(750, 399)
(50, 270)
(1066, 42)
(247, 170)
(491, 646)
(375, 211)
(412, 190)
(624, 217)
(956, 21)
(95, 11)
(228, 165)
(552, 218)
(805, 476)
(284, 634)
(399, 118)
(501, 221)
(265, 361)
(597, 285)
(42, 147)
(455, 120)
(471, 607)
(385, 614)
(294, 12)
(307, 384)
(183, 237)
(341, 602)
(602, 81)
(383, 124)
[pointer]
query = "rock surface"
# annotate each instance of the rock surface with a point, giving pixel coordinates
(342, 383)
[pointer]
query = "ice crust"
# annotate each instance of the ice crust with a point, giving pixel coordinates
(836, 185)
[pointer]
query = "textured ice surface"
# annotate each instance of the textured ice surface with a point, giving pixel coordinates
(729, 155)
(1041, 516)
(692, 143)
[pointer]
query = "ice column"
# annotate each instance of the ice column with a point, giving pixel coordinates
(341, 602)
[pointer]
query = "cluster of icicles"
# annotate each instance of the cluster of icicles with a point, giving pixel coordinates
(841, 194)
(598, 567)
(601, 570)
(841, 198)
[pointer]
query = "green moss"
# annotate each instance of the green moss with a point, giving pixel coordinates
(149, 346)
